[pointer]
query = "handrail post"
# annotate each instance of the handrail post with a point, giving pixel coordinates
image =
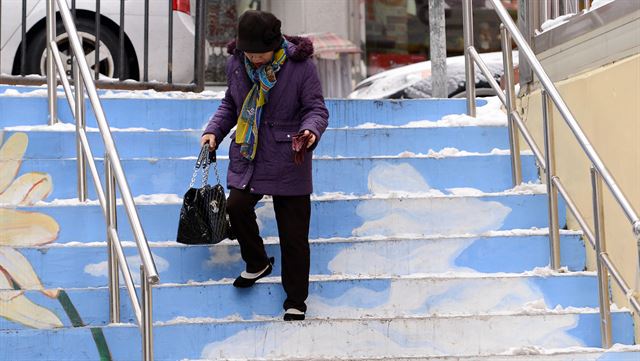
(467, 21)
(438, 49)
(636, 233)
(200, 46)
(545, 13)
(601, 249)
(111, 220)
(514, 137)
(80, 124)
(552, 190)
(555, 8)
(52, 81)
(147, 316)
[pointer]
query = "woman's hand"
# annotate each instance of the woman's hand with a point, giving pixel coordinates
(312, 138)
(211, 139)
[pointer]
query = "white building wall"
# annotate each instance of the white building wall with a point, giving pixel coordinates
(307, 16)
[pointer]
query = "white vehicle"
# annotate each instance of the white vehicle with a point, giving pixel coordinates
(183, 38)
(414, 81)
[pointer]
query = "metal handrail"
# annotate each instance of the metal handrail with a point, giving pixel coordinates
(599, 172)
(114, 176)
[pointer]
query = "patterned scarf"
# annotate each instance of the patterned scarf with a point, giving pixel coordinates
(263, 78)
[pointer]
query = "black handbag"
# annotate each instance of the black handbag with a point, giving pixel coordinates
(203, 217)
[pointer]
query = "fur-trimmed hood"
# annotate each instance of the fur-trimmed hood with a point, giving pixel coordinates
(300, 48)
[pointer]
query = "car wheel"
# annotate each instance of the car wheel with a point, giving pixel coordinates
(108, 62)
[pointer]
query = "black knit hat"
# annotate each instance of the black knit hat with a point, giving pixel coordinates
(258, 32)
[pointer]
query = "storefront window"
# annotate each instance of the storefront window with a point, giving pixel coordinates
(397, 31)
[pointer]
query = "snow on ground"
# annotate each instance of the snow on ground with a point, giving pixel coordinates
(160, 198)
(490, 114)
(152, 94)
(121, 94)
(554, 23)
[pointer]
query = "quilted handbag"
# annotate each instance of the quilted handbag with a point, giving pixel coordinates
(203, 217)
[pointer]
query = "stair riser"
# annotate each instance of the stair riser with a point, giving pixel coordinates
(356, 338)
(343, 142)
(194, 113)
(78, 266)
(486, 173)
(382, 298)
(336, 218)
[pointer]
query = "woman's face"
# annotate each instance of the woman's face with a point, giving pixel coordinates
(259, 59)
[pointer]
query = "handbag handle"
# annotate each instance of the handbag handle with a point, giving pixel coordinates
(205, 158)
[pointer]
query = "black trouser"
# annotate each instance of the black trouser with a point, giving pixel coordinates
(292, 215)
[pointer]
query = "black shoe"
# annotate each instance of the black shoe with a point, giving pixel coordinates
(246, 280)
(293, 314)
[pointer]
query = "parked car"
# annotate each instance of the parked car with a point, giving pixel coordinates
(183, 38)
(414, 81)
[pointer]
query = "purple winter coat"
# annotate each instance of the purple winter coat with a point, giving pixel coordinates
(295, 104)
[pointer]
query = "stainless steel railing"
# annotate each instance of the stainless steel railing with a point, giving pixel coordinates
(19, 70)
(546, 160)
(114, 176)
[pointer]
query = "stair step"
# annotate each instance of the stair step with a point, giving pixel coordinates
(339, 297)
(352, 142)
(194, 113)
(79, 265)
(331, 338)
(488, 173)
(527, 353)
(390, 216)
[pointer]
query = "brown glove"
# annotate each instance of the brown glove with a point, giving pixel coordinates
(299, 145)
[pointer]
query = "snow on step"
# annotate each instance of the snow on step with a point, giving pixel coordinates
(193, 113)
(389, 215)
(488, 172)
(338, 297)
(335, 142)
(359, 338)
(84, 265)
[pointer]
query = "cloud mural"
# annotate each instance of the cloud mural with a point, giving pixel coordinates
(440, 297)
(407, 216)
(393, 214)
(100, 269)
(410, 217)
(431, 256)
(392, 338)
(223, 254)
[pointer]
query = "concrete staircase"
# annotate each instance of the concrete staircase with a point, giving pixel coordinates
(420, 247)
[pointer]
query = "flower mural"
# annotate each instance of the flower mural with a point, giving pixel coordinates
(29, 229)
(22, 229)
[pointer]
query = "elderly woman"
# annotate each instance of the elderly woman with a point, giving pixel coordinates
(274, 99)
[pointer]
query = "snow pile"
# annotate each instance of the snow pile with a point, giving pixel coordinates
(143, 199)
(158, 198)
(152, 94)
(58, 127)
(42, 92)
(536, 350)
(454, 152)
(528, 188)
(488, 115)
(554, 23)
(122, 94)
